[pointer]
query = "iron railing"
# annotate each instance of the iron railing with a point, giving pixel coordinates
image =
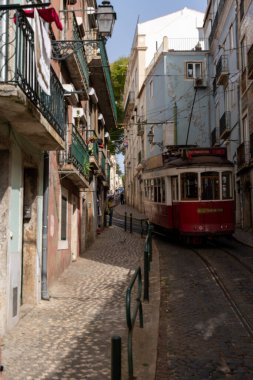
(20, 68)
(225, 124)
(106, 68)
(80, 55)
(102, 161)
(222, 65)
(78, 153)
(131, 316)
(91, 140)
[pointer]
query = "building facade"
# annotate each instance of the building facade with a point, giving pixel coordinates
(55, 124)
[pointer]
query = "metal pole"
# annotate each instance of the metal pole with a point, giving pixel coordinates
(131, 223)
(125, 221)
(146, 274)
(116, 358)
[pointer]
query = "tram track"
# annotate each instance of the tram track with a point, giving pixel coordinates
(244, 320)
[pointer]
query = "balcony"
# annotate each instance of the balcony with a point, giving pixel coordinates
(23, 104)
(74, 161)
(243, 154)
(140, 129)
(250, 62)
(77, 63)
(216, 21)
(222, 70)
(101, 80)
(225, 125)
(91, 141)
(130, 103)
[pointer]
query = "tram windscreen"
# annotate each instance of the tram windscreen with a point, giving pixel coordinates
(189, 186)
(210, 186)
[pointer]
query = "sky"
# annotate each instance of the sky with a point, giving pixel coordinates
(129, 12)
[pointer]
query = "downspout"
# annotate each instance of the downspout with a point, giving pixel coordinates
(44, 288)
(175, 122)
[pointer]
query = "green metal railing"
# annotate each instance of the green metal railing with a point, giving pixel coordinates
(91, 140)
(131, 316)
(78, 153)
(102, 161)
(51, 106)
(147, 259)
(108, 175)
(106, 68)
(80, 55)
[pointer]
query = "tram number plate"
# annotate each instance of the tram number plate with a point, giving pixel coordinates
(209, 210)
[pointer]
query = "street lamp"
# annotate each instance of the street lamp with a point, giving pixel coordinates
(105, 18)
(151, 136)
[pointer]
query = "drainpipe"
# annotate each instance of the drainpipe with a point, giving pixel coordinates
(175, 122)
(44, 289)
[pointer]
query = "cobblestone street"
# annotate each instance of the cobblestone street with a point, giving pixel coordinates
(69, 337)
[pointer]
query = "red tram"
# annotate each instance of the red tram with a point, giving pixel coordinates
(192, 194)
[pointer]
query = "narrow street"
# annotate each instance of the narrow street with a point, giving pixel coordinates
(206, 312)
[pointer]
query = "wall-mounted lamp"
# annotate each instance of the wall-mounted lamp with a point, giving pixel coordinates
(151, 136)
(105, 17)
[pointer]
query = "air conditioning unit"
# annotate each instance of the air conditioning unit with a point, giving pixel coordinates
(70, 93)
(79, 21)
(200, 83)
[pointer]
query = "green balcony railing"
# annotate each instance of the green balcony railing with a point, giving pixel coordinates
(106, 68)
(24, 72)
(108, 175)
(91, 140)
(78, 153)
(80, 55)
(102, 161)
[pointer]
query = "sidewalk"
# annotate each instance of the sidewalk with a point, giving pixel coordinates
(69, 337)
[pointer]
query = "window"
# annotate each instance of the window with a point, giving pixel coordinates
(245, 129)
(174, 181)
(210, 186)
(227, 185)
(64, 217)
(193, 70)
(189, 186)
(63, 220)
(231, 37)
(243, 54)
(154, 190)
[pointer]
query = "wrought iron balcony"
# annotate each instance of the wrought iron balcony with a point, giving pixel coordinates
(74, 161)
(225, 125)
(129, 107)
(140, 129)
(222, 70)
(91, 141)
(101, 81)
(102, 162)
(216, 21)
(72, 51)
(22, 101)
(243, 154)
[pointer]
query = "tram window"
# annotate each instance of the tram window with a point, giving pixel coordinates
(189, 186)
(226, 185)
(163, 190)
(210, 186)
(174, 181)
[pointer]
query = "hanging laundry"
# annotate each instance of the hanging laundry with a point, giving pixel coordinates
(42, 49)
(49, 15)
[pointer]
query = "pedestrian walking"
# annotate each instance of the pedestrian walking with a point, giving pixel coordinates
(110, 205)
(122, 198)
